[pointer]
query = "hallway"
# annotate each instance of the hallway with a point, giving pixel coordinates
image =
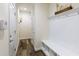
(50, 34)
(26, 49)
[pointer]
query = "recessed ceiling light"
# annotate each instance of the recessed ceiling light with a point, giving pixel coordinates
(25, 9)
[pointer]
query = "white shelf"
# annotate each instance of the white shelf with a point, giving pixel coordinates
(48, 51)
(69, 13)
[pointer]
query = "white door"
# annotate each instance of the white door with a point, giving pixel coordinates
(25, 25)
(12, 29)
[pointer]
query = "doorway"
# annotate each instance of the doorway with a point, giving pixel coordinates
(24, 30)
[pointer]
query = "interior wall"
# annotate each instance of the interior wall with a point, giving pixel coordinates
(52, 9)
(64, 34)
(40, 24)
(67, 39)
(4, 34)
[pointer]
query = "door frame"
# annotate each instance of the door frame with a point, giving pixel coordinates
(14, 5)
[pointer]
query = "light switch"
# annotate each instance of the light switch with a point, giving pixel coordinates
(3, 24)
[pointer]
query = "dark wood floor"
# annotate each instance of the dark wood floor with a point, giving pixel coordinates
(26, 49)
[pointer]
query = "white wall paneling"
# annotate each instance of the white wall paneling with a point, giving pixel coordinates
(64, 33)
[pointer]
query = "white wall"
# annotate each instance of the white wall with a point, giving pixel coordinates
(40, 24)
(52, 9)
(4, 38)
(64, 32)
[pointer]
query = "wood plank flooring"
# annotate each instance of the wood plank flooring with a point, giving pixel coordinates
(26, 49)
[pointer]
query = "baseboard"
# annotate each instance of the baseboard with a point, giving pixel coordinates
(36, 49)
